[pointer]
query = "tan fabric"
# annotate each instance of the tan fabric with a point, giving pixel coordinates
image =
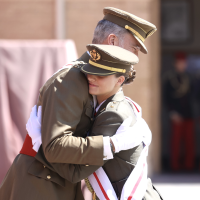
(66, 111)
(24, 68)
(34, 184)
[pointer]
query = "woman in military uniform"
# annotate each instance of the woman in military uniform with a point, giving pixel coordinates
(108, 69)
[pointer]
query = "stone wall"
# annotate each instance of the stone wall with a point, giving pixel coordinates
(27, 19)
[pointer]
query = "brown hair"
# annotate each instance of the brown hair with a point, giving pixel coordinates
(129, 76)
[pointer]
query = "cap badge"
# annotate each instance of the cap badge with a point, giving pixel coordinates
(95, 55)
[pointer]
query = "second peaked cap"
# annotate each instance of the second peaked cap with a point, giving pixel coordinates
(108, 59)
(140, 28)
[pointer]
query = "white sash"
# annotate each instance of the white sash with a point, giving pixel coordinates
(136, 184)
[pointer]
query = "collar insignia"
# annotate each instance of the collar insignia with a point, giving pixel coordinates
(102, 110)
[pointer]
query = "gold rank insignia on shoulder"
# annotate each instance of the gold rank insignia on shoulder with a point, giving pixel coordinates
(95, 55)
(78, 65)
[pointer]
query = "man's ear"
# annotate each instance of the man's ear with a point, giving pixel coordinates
(112, 39)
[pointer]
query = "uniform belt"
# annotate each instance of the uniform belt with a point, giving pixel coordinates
(27, 148)
(118, 186)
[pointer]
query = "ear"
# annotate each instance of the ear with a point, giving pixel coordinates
(121, 79)
(112, 39)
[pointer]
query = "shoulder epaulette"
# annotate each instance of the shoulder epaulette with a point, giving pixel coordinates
(112, 106)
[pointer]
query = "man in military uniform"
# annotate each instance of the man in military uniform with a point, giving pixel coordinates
(66, 118)
(178, 98)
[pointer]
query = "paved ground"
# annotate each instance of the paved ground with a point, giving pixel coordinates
(178, 186)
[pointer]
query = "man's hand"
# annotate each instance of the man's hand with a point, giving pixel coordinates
(33, 127)
(128, 137)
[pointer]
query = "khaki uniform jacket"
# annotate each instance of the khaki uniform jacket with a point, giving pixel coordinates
(66, 112)
(108, 119)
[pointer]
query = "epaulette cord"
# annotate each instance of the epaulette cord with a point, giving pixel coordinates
(87, 182)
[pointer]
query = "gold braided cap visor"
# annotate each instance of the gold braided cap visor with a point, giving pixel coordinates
(102, 69)
(113, 69)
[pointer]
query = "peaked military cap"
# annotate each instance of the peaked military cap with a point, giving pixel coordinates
(140, 28)
(108, 59)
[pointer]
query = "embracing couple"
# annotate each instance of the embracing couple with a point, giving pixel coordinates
(83, 126)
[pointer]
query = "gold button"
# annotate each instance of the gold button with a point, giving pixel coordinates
(86, 165)
(114, 102)
(44, 166)
(112, 106)
(49, 177)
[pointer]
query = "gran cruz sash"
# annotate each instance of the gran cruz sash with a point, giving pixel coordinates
(136, 184)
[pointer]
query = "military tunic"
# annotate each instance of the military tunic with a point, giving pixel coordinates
(109, 117)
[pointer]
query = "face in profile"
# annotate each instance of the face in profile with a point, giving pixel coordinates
(104, 86)
(127, 41)
(130, 43)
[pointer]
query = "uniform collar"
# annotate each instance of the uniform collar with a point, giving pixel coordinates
(119, 96)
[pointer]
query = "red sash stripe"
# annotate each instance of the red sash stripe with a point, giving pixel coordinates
(136, 107)
(137, 183)
(101, 187)
(133, 104)
(27, 147)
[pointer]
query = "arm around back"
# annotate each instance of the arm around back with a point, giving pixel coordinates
(65, 104)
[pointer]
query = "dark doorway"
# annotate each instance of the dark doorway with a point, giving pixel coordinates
(180, 104)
